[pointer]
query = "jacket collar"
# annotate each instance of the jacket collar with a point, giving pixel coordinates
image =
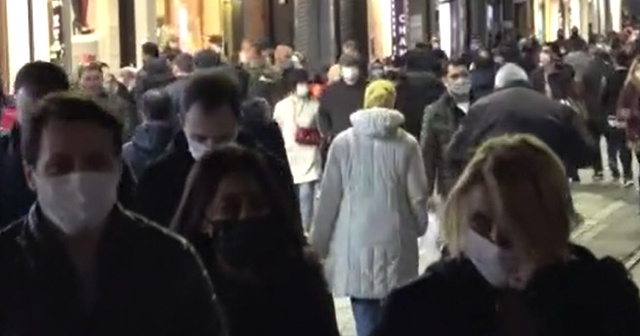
(39, 227)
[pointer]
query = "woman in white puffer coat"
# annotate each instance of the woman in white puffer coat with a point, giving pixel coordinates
(372, 207)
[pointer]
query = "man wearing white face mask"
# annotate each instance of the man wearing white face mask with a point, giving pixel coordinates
(80, 263)
(440, 121)
(342, 98)
(211, 115)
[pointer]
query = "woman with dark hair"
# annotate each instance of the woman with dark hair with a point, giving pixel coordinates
(237, 218)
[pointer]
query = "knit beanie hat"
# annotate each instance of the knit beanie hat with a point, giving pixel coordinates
(380, 93)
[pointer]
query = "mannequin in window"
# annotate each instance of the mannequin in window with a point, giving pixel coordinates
(80, 23)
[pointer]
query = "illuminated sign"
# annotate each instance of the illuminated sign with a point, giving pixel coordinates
(399, 12)
(56, 49)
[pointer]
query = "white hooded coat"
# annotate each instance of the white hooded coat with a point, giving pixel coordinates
(372, 206)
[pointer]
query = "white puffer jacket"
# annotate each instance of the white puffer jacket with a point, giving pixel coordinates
(372, 206)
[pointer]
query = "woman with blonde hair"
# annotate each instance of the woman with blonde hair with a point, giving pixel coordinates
(513, 270)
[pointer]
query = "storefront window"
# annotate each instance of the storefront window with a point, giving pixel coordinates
(191, 21)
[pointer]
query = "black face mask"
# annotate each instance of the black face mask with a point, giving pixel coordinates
(246, 242)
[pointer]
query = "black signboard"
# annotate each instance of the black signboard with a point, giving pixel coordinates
(399, 22)
(56, 49)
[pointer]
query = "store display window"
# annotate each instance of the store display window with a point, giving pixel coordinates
(190, 23)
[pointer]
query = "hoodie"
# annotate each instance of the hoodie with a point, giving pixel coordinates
(149, 141)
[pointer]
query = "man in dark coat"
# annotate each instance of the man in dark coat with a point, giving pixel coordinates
(257, 119)
(594, 81)
(503, 112)
(420, 87)
(152, 138)
(211, 113)
(342, 98)
(182, 67)
(78, 263)
(440, 122)
(482, 75)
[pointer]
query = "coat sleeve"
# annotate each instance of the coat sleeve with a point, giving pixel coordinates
(278, 113)
(324, 116)
(430, 149)
(329, 202)
(198, 311)
(127, 187)
(417, 188)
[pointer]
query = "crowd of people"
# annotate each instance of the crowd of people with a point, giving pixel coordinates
(199, 196)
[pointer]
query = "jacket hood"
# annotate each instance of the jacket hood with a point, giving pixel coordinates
(153, 137)
(377, 121)
(256, 110)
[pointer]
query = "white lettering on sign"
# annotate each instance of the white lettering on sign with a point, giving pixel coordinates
(57, 45)
(399, 11)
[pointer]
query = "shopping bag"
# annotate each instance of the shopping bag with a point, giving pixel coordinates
(428, 244)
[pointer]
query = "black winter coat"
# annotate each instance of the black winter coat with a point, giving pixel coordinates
(149, 142)
(416, 91)
(584, 296)
(337, 103)
(291, 300)
(502, 112)
(160, 189)
(149, 282)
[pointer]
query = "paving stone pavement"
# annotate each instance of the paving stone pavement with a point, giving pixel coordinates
(611, 227)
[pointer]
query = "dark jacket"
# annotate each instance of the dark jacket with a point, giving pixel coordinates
(160, 189)
(439, 123)
(585, 296)
(175, 90)
(337, 103)
(150, 141)
(292, 299)
(415, 92)
(155, 74)
(560, 80)
(594, 83)
(503, 112)
(615, 83)
(257, 119)
(482, 82)
(124, 111)
(15, 195)
(150, 282)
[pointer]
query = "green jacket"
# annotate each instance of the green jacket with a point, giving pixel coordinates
(440, 121)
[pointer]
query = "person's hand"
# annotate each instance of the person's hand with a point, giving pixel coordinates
(433, 203)
(624, 113)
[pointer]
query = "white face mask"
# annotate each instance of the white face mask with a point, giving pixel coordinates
(243, 58)
(489, 259)
(197, 149)
(78, 201)
(350, 74)
(302, 90)
(460, 88)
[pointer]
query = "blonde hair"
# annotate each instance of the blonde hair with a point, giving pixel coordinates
(631, 78)
(333, 75)
(528, 186)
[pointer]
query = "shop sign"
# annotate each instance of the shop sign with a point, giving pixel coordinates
(399, 21)
(56, 49)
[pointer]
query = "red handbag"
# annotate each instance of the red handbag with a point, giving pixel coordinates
(306, 135)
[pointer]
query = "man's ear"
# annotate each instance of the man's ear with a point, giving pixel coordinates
(29, 172)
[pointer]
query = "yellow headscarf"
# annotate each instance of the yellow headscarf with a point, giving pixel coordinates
(380, 93)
